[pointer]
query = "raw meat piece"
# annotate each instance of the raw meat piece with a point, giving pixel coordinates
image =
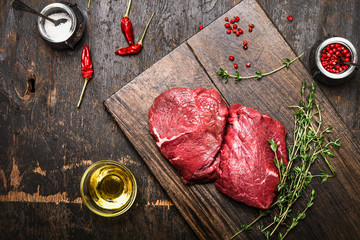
(247, 172)
(188, 126)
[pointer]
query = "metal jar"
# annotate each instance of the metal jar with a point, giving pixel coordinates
(320, 74)
(77, 24)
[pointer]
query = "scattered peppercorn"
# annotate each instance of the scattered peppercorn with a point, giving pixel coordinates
(232, 27)
(330, 56)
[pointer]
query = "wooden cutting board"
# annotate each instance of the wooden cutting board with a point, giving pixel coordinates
(194, 64)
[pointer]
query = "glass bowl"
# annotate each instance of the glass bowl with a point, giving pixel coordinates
(108, 188)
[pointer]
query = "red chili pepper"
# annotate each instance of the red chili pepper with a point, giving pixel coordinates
(87, 69)
(133, 49)
(129, 50)
(86, 64)
(126, 26)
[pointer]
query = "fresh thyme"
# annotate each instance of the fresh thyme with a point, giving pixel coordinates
(225, 74)
(247, 228)
(309, 145)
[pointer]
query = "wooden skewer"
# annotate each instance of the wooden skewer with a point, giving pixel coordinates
(82, 92)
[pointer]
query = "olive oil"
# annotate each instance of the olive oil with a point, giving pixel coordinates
(108, 188)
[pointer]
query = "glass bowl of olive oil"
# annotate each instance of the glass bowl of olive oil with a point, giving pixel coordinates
(108, 188)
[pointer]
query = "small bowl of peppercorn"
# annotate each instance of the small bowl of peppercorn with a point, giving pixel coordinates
(328, 60)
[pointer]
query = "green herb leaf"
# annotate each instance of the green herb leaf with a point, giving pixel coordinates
(312, 195)
(335, 144)
(287, 63)
(273, 145)
(224, 74)
(267, 234)
(246, 228)
(303, 88)
(238, 77)
(258, 74)
(330, 153)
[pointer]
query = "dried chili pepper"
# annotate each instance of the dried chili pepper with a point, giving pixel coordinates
(133, 49)
(126, 26)
(87, 69)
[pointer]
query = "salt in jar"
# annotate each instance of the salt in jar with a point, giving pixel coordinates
(64, 35)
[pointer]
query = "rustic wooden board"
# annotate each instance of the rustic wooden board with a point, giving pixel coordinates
(194, 64)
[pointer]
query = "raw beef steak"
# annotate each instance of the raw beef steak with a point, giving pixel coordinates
(247, 172)
(188, 126)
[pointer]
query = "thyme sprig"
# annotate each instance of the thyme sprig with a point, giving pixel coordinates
(309, 145)
(247, 228)
(299, 216)
(225, 74)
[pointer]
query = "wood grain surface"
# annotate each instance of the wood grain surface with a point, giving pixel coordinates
(210, 214)
(46, 143)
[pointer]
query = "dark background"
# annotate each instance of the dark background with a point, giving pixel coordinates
(46, 143)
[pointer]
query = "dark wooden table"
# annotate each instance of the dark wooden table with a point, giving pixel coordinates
(46, 143)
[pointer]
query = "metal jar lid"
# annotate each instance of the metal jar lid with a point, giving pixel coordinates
(344, 42)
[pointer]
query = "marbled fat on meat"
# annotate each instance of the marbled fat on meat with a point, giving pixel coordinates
(247, 172)
(188, 126)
